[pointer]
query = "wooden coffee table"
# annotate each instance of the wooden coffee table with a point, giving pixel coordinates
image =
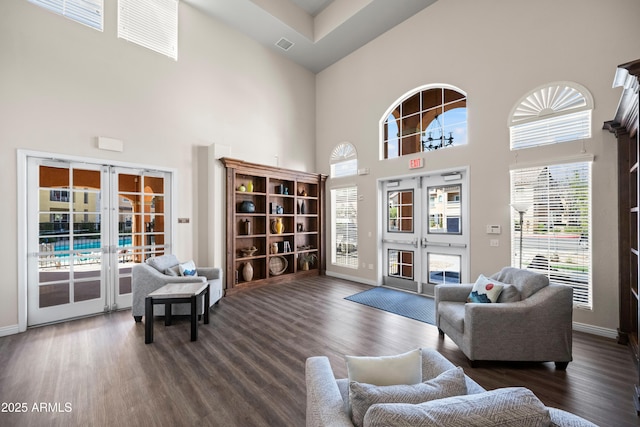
(175, 293)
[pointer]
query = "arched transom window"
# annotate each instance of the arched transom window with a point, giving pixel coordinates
(552, 113)
(426, 119)
(344, 160)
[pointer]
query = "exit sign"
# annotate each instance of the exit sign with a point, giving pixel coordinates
(416, 163)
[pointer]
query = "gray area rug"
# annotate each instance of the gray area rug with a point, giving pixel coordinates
(413, 306)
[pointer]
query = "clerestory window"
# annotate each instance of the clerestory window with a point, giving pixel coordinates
(344, 160)
(87, 12)
(426, 119)
(552, 113)
(150, 23)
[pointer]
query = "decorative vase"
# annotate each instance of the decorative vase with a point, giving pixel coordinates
(250, 186)
(274, 248)
(277, 226)
(247, 272)
(247, 227)
(247, 206)
(304, 266)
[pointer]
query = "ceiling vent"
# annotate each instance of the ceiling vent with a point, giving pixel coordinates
(284, 44)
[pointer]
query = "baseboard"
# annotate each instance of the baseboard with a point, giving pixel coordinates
(595, 330)
(351, 278)
(9, 330)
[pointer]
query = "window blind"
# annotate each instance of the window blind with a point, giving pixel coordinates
(556, 229)
(150, 23)
(564, 128)
(87, 12)
(344, 219)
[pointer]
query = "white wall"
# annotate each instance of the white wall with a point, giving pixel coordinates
(63, 84)
(496, 51)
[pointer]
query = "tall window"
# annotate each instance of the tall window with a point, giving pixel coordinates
(87, 12)
(344, 226)
(344, 160)
(426, 119)
(555, 234)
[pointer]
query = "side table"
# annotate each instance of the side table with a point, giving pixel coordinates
(174, 293)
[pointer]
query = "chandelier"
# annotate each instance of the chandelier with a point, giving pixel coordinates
(431, 143)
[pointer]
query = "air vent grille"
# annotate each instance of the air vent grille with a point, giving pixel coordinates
(284, 44)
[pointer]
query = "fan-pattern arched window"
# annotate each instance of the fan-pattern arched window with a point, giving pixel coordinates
(344, 160)
(552, 113)
(426, 119)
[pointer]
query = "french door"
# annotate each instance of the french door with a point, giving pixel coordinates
(87, 225)
(425, 235)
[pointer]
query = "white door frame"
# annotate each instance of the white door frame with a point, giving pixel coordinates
(22, 170)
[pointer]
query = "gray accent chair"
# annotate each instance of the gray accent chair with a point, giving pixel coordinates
(530, 322)
(158, 271)
(326, 395)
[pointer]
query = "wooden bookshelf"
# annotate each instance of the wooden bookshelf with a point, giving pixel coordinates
(258, 197)
(625, 127)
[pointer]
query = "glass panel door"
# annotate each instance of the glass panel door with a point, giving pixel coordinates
(88, 225)
(444, 242)
(141, 229)
(425, 235)
(66, 241)
(401, 234)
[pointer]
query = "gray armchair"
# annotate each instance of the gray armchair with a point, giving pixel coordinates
(531, 322)
(158, 271)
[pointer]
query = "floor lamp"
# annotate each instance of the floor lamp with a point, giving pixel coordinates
(521, 208)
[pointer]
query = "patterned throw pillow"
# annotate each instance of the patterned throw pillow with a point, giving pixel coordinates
(513, 406)
(485, 290)
(188, 269)
(362, 396)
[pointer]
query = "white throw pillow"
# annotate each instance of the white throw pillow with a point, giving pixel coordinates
(485, 290)
(405, 368)
(188, 269)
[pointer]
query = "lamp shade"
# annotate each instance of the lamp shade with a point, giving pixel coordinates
(521, 207)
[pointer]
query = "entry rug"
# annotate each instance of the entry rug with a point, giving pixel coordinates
(413, 306)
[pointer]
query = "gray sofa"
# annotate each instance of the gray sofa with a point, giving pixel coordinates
(158, 271)
(326, 395)
(531, 322)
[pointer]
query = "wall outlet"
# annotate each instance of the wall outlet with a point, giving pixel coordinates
(494, 242)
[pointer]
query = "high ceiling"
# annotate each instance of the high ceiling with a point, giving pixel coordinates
(316, 32)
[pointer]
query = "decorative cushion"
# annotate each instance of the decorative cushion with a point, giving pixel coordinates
(485, 290)
(405, 368)
(513, 406)
(188, 269)
(162, 262)
(527, 282)
(362, 395)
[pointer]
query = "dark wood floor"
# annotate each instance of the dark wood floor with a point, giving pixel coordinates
(247, 367)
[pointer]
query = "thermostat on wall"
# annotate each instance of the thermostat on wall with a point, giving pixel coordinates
(493, 229)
